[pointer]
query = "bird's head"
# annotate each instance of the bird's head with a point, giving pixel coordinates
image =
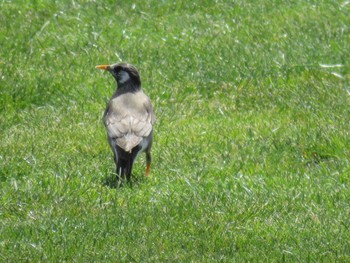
(125, 74)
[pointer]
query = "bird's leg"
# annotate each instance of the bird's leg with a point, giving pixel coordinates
(148, 167)
(148, 162)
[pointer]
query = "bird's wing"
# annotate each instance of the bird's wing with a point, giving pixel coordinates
(129, 118)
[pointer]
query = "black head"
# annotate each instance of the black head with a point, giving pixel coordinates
(125, 74)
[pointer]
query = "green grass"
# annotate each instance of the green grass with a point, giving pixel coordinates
(251, 159)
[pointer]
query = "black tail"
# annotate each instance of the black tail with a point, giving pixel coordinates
(124, 168)
(125, 163)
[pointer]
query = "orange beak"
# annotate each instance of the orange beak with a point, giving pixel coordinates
(104, 67)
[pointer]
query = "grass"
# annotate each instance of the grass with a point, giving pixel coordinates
(251, 153)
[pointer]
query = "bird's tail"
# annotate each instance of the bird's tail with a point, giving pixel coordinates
(124, 168)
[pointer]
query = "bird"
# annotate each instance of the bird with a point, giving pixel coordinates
(129, 118)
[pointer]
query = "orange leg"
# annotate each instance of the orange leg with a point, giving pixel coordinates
(148, 167)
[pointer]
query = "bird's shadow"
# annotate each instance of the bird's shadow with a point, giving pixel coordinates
(112, 181)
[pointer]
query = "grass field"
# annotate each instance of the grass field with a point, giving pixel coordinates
(251, 159)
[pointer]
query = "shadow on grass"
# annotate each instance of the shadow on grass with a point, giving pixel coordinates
(112, 181)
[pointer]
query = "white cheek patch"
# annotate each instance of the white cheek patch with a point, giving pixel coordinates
(123, 76)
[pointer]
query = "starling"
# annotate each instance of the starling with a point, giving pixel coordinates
(129, 119)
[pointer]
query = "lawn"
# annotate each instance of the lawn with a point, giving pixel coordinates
(251, 156)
